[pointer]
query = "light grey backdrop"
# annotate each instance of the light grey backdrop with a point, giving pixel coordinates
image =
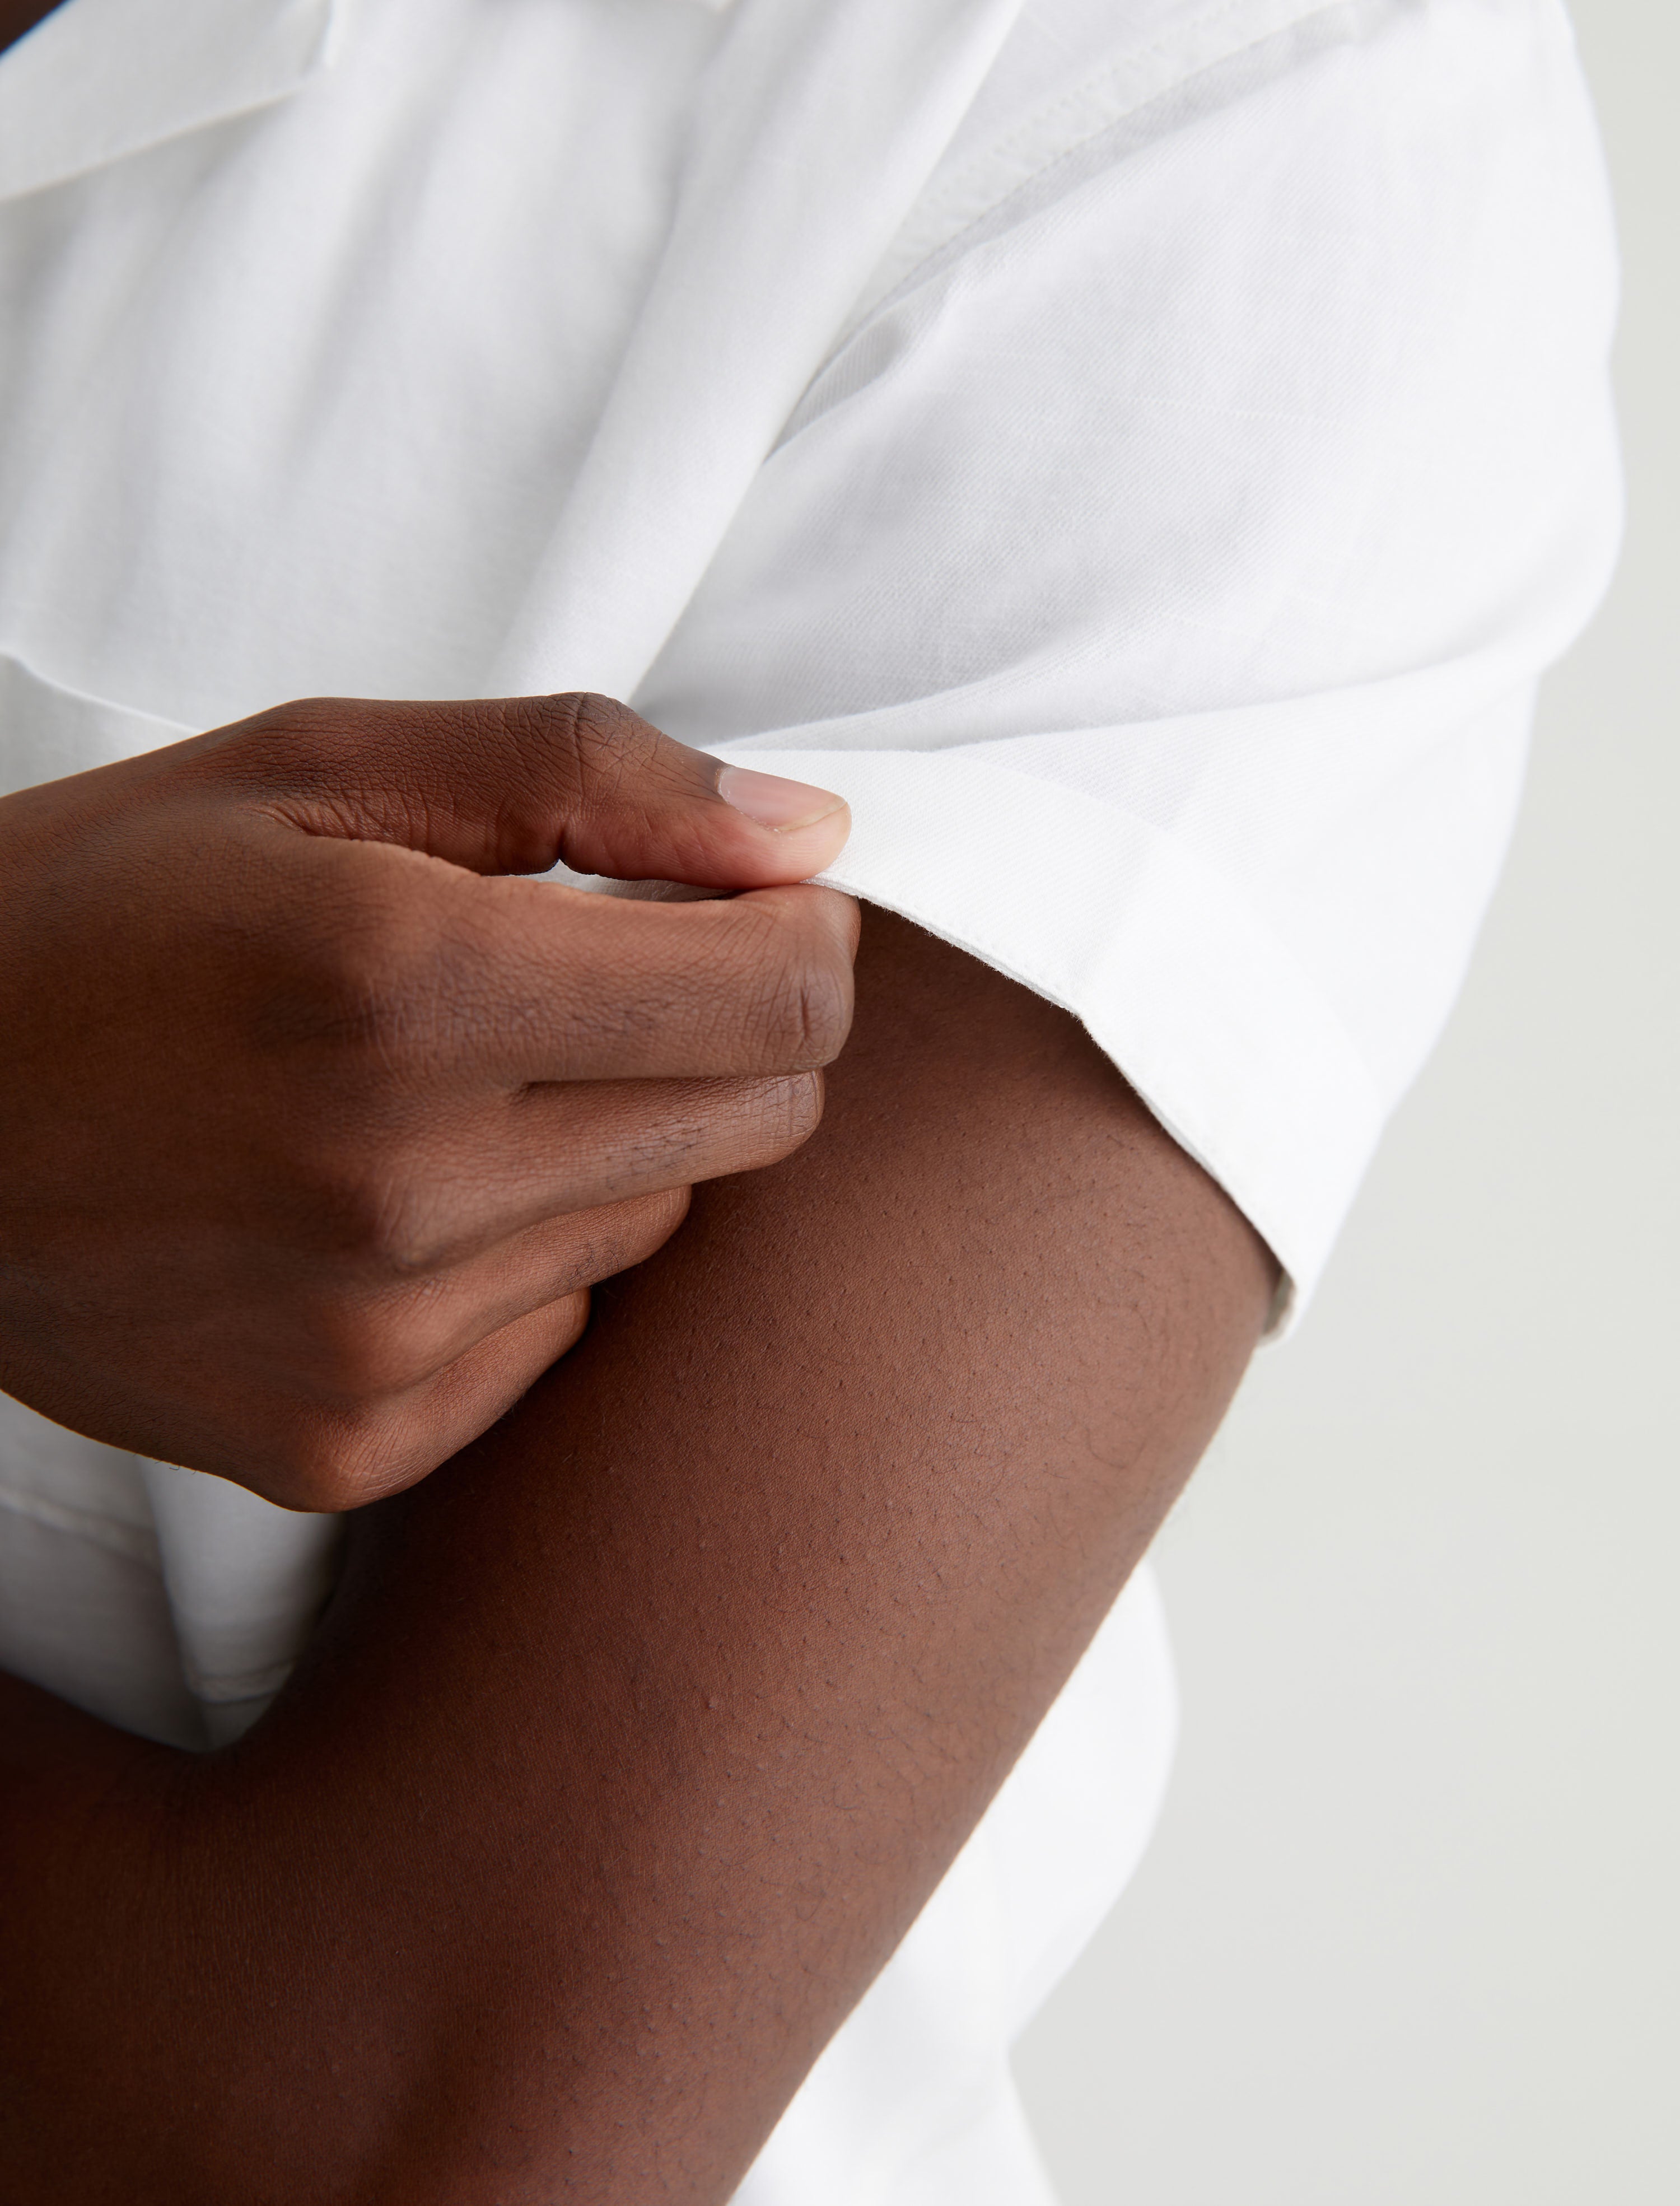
(1410, 1931)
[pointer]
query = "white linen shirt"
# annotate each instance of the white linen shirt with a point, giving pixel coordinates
(1140, 452)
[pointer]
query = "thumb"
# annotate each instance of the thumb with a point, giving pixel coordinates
(515, 784)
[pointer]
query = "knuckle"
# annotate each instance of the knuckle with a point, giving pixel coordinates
(373, 1212)
(304, 721)
(654, 1218)
(285, 736)
(369, 1460)
(757, 1122)
(788, 1113)
(307, 746)
(359, 1356)
(330, 1463)
(377, 981)
(352, 976)
(606, 744)
(808, 1008)
(793, 971)
(362, 1347)
(597, 1244)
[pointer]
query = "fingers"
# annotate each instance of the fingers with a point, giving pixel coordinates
(377, 1344)
(541, 1153)
(405, 1371)
(546, 1263)
(552, 1150)
(516, 785)
(346, 1458)
(303, 941)
(425, 975)
(405, 1380)
(553, 984)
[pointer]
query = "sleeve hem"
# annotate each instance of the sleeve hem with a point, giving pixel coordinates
(1169, 968)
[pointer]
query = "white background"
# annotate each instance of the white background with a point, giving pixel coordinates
(1410, 1929)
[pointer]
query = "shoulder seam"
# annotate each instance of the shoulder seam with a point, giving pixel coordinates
(1118, 88)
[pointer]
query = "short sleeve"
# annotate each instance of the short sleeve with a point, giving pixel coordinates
(1163, 566)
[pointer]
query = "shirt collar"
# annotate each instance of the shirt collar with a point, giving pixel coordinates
(99, 79)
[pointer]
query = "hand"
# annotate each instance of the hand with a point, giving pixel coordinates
(316, 1128)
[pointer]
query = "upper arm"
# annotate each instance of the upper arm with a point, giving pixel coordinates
(785, 1563)
(636, 1736)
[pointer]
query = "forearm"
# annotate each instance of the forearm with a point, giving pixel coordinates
(636, 1738)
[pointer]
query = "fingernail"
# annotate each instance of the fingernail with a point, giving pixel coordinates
(774, 802)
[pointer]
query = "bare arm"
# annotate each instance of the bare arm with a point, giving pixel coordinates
(638, 1734)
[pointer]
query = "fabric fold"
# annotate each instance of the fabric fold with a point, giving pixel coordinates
(103, 78)
(814, 133)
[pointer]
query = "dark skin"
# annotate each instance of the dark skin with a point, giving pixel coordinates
(638, 1733)
(322, 1122)
(17, 16)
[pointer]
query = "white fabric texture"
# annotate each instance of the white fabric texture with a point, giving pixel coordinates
(1142, 452)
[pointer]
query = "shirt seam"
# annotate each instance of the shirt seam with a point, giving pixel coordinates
(1100, 84)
